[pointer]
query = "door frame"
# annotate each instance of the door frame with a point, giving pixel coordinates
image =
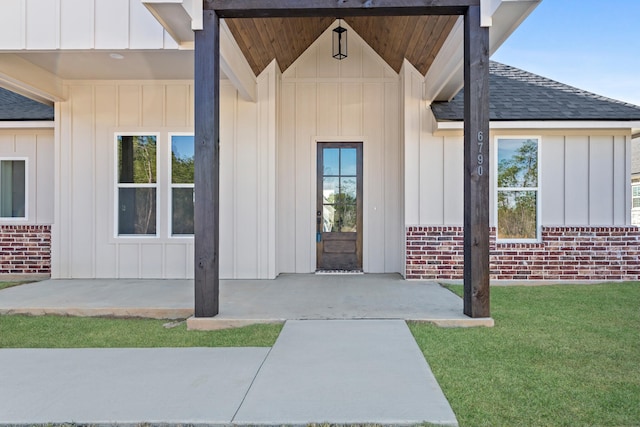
(317, 220)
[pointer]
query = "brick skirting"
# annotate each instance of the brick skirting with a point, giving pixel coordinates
(25, 249)
(565, 253)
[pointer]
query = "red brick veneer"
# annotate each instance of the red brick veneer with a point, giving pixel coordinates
(25, 249)
(565, 253)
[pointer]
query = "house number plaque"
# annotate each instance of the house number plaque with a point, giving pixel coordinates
(480, 159)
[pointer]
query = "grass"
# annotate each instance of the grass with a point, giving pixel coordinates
(564, 355)
(17, 331)
(5, 285)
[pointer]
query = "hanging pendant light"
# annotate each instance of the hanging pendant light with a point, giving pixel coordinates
(339, 41)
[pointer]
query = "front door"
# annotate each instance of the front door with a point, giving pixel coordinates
(339, 206)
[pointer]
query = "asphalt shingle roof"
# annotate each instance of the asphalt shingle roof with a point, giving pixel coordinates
(515, 94)
(14, 107)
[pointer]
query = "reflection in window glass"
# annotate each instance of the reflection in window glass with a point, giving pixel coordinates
(348, 161)
(517, 214)
(182, 184)
(137, 213)
(182, 211)
(137, 159)
(331, 161)
(518, 163)
(137, 184)
(517, 200)
(182, 158)
(12, 189)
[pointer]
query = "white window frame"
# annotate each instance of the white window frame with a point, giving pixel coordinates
(118, 186)
(537, 189)
(634, 211)
(25, 218)
(172, 186)
(634, 185)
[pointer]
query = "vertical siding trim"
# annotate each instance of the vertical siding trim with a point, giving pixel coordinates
(56, 234)
(590, 177)
(58, 24)
(627, 175)
(23, 22)
(613, 180)
(564, 191)
(235, 184)
(94, 230)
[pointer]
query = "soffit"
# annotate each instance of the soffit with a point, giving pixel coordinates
(416, 38)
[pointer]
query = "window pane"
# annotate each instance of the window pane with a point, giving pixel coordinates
(339, 218)
(348, 161)
(636, 190)
(330, 190)
(331, 161)
(348, 190)
(517, 163)
(137, 159)
(182, 154)
(347, 218)
(636, 202)
(137, 211)
(517, 211)
(12, 189)
(182, 211)
(329, 218)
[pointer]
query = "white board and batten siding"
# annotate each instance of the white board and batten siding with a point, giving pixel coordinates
(585, 178)
(85, 242)
(80, 24)
(433, 178)
(584, 173)
(36, 146)
(353, 100)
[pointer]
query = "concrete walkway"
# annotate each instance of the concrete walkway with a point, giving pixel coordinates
(292, 296)
(339, 372)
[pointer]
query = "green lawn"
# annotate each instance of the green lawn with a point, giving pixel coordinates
(5, 285)
(73, 332)
(564, 355)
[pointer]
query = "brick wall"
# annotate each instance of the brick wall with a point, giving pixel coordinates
(25, 249)
(565, 253)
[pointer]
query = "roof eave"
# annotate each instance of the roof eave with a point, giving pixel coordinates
(445, 77)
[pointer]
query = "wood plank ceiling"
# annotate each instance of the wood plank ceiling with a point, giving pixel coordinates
(417, 38)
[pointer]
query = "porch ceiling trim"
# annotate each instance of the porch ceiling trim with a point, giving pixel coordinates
(180, 18)
(23, 77)
(235, 66)
(333, 8)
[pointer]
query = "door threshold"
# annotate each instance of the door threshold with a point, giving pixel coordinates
(328, 272)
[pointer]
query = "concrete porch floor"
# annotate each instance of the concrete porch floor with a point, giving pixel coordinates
(242, 302)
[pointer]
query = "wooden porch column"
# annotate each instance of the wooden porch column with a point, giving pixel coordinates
(207, 165)
(476, 165)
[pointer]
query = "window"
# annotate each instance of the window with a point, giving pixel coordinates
(182, 179)
(13, 188)
(137, 184)
(518, 189)
(635, 202)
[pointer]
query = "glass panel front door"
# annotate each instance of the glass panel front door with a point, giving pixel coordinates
(339, 216)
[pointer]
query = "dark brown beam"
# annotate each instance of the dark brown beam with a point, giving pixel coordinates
(336, 8)
(207, 165)
(476, 166)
